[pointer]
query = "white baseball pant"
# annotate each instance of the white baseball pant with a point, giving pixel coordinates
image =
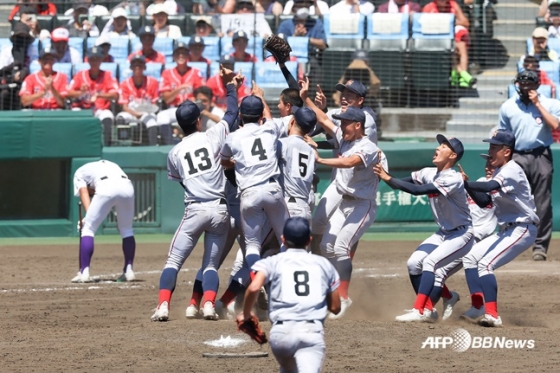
(167, 116)
(298, 207)
(325, 209)
(148, 119)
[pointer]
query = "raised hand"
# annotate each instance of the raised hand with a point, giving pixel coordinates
(320, 98)
(226, 74)
(465, 176)
(304, 89)
(379, 170)
(257, 91)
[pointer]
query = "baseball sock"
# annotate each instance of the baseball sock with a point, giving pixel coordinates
(167, 284)
(86, 252)
(344, 268)
(196, 293)
(233, 289)
(490, 290)
(415, 281)
(129, 249)
(435, 295)
(446, 294)
(475, 287)
(210, 283)
(426, 286)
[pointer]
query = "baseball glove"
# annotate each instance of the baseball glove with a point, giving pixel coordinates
(279, 48)
(253, 329)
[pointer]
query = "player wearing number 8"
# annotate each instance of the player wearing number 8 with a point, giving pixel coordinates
(302, 288)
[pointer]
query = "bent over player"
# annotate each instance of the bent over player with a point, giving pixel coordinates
(195, 164)
(110, 187)
(302, 287)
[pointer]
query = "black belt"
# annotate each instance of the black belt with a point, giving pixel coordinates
(292, 200)
(281, 322)
(347, 197)
(539, 150)
(271, 180)
(507, 225)
(106, 177)
(222, 201)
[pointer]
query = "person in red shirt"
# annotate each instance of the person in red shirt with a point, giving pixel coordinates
(240, 42)
(44, 8)
(94, 89)
(147, 37)
(177, 85)
(138, 97)
(46, 89)
(196, 49)
(218, 88)
(461, 38)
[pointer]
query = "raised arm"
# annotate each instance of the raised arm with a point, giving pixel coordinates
(322, 118)
(233, 82)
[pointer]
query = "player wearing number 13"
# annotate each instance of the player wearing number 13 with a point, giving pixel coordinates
(194, 163)
(302, 287)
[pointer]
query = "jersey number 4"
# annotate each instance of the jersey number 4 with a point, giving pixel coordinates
(258, 150)
(203, 156)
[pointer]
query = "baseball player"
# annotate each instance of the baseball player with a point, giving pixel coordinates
(509, 190)
(138, 95)
(110, 187)
(354, 181)
(448, 200)
(194, 163)
(252, 150)
(177, 85)
(302, 288)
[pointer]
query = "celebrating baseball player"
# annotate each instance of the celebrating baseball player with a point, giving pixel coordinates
(194, 163)
(110, 187)
(302, 287)
(448, 200)
(509, 190)
(354, 181)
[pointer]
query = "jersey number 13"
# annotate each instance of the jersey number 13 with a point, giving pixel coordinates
(197, 162)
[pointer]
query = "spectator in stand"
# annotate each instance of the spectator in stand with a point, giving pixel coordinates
(203, 27)
(28, 15)
(147, 37)
(306, 26)
(531, 63)
(248, 7)
(138, 96)
(211, 114)
(460, 76)
(196, 49)
(81, 28)
(216, 84)
(171, 6)
(217, 7)
(95, 89)
(399, 6)
(269, 7)
(161, 23)
(43, 8)
(540, 46)
(46, 89)
(316, 7)
(352, 6)
(177, 85)
(240, 42)
(94, 10)
(14, 66)
(64, 53)
(105, 45)
(118, 25)
(554, 29)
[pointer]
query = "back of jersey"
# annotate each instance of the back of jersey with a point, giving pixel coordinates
(91, 173)
(195, 162)
(299, 284)
(297, 164)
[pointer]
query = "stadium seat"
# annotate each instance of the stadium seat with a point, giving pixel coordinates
(45, 22)
(214, 68)
(211, 49)
(65, 68)
(177, 20)
(432, 45)
(120, 48)
(200, 66)
(300, 48)
(272, 22)
(345, 31)
(387, 37)
(269, 77)
(61, 20)
(90, 42)
(4, 42)
(153, 69)
(162, 45)
(255, 46)
(246, 69)
(107, 66)
(78, 44)
(544, 90)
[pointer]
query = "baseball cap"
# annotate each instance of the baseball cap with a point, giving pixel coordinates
(352, 113)
(251, 105)
(455, 144)
(540, 32)
(187, 113)
(227, 59)
(103, 39)
(502, 137)
(296, 231)
(81, 5)
(181, 45)
(207, 20)
(302, 14)
(305, 118)
(21, 29)
(354, 86)
(60, 34)
(240, 35)
(360, 54)
(94, 52)
(196, 40)
(159, 8)
(138, 59)
(47, 51)
(119, 12)
(148, 29)
(528, 76)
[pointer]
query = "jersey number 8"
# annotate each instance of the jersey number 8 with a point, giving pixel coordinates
(301, 278)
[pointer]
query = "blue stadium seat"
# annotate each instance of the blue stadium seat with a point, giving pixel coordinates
(90, 42)
(120, 49)
(78, 44)
(246, 69)
(162, 45)
(344, 31)
(4, 42)
(435, 31)
(269, 77)
(544, 90)
(200, 66)
(214, 68)
(211, 49)
(551, 68)
(107, 66)
(153, 69)
(300, 48)
(255, 46)
(65, 68)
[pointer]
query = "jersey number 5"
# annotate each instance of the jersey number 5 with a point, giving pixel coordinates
(301, 278)
(205, 161)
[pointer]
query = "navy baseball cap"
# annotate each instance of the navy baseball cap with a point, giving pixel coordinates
(240, 35)
(305, 118)
(455, 144)
(352, 113)
(502, 137)
(354, 86)
(196, 40)
(296, 231)
(187, 114)
(94, 52)
(181, 45)
(147, 30)
(227, 60)
(138, 58)
(251, 105)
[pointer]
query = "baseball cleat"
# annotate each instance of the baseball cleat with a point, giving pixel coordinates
(82, 277)
(448, 305)
(473, 314)
(344, 304)
(192, 312)
(128, 276)
(416, 316)
(490, 321)
(209, 312)
(162, 312)
(432, 315)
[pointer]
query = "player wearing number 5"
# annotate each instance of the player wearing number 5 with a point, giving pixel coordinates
(194, 163)
(252, 150)
(302, 287)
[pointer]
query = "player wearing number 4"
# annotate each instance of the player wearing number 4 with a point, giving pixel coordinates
(302, 287)
(448, 200)
(194, 163)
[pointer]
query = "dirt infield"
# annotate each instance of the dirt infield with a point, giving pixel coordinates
(48, 324)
